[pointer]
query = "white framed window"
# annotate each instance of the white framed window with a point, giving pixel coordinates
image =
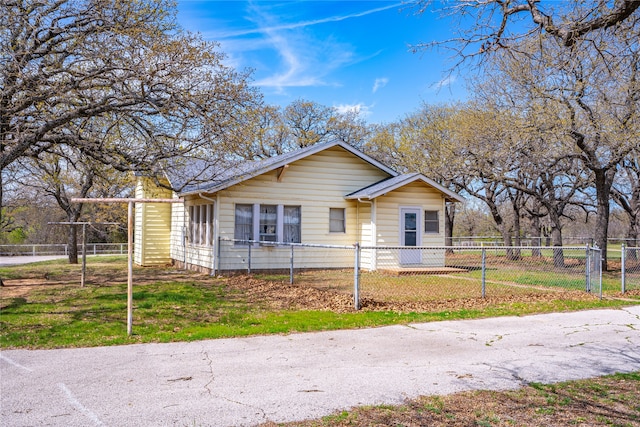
(431, 222)
(243, 222)
(201, 225)
(337, 220)
(292, 224)
(268, 223)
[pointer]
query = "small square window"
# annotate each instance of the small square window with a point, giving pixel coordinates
(431, 222)
(337, 220)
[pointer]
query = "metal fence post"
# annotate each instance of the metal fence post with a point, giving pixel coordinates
(249, 259)
(600, 271)
(219, 254)
(356, 277)
(484, 271)
(291, 269)
(588, 268)
(623, 260)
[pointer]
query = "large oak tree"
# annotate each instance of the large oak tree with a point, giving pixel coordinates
(116, 80)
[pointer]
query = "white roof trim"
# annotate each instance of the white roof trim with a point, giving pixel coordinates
(398, 183)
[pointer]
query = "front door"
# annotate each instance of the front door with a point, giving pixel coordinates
(410, 235)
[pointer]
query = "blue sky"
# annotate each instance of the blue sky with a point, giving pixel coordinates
(343, 54)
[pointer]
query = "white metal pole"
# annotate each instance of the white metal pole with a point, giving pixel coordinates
(623, 259)
(130, 268)
(84, 255)
(356, 277)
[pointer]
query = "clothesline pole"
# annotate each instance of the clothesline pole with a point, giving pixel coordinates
(130, 202)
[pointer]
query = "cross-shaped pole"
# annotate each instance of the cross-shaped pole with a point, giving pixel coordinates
(130, 202)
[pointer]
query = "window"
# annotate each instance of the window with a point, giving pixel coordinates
(431, 222)
(268, 223)
(244, 222)
(201, 225)
(337, 220)
(291, 224)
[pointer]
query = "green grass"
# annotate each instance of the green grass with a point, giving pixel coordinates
(173, 311)
(186, 308)
(608, 400)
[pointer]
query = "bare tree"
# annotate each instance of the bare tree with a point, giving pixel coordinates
(585, 98)
(422, 142)
(626, 193)
(484, 27)
(267, 131)
(67, 174)
(117, 80)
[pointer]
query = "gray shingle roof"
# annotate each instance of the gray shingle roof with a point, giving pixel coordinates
(224, 178)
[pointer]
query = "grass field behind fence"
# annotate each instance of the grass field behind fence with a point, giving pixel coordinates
(504, 277)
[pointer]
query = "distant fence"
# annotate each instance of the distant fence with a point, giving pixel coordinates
(534, 241)
(62, 249)
(418, 274)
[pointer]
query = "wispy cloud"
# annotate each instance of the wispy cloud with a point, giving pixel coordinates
(379, 83)
(446, 82)
(300, 58)
(360, 108)
(295, 25)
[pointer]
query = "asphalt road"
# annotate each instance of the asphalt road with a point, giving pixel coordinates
(246, 381)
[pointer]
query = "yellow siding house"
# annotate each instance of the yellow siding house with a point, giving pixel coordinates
(326, 194)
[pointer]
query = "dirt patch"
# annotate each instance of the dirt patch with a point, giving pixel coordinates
(282, 295)
(279, 294)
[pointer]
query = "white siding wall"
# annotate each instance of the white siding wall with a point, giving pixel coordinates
(416, 194)
(198, 255)
(316, 183)
(178, 224)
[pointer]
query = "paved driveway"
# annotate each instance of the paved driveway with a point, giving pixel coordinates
(246, 381)
(6, 261)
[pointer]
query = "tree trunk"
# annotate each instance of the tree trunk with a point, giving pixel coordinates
(536, 236)
(517, 255)
(632, 242)
(558, 253)
(603, 183)
(515, 206)
(449, 217)
(72, 243)
(73, 215)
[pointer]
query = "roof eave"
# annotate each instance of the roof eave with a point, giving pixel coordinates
(315, 149)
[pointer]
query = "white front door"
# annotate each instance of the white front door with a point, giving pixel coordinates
(410, 235)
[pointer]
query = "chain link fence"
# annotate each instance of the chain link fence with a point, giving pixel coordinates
(630, 268)
(409, 275)
(327, 267)
(445, 273)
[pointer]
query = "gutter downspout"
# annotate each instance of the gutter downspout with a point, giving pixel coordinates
(372, 261)
(215, 231)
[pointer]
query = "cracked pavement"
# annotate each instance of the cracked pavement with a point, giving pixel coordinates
(247, 381)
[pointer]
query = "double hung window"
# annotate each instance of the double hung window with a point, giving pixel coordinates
(431, 222)
(244, 222)
(268, 223)
(337, 220)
